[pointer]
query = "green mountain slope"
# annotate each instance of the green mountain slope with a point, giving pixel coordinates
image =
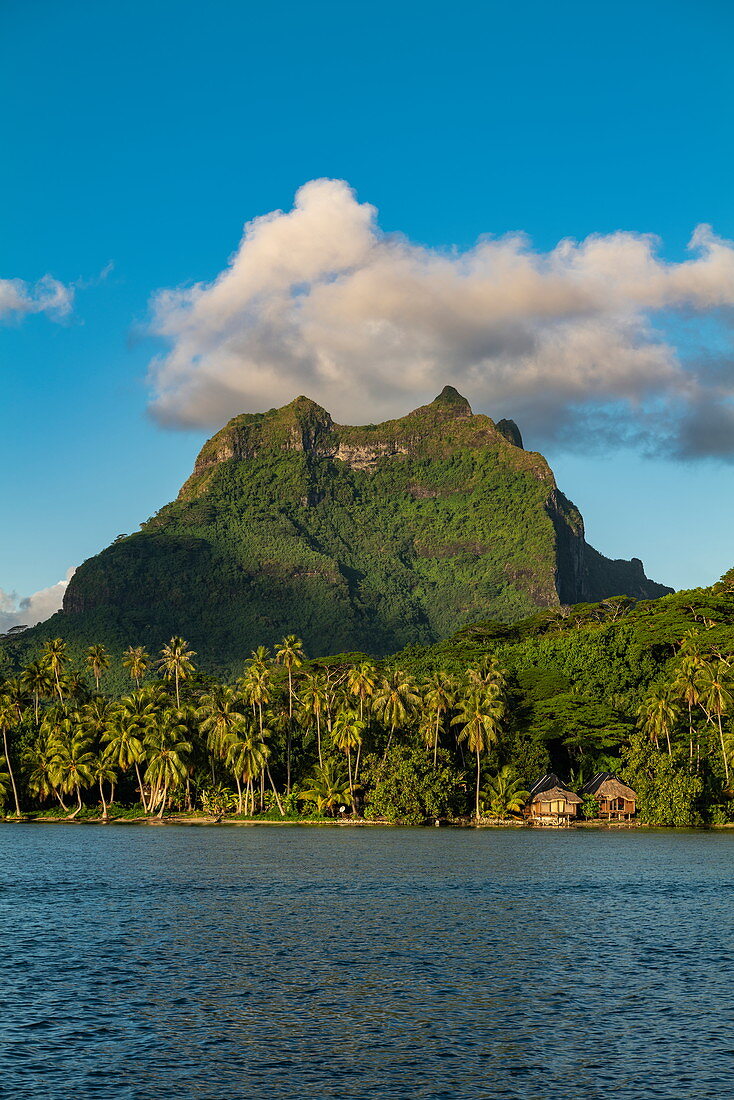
(366, 538)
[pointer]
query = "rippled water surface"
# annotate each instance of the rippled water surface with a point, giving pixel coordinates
(263, 962)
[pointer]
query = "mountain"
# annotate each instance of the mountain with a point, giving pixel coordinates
(355, 538)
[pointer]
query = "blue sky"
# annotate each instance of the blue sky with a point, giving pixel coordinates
(143, 136)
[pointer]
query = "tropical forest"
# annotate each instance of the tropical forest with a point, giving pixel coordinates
(452, 732)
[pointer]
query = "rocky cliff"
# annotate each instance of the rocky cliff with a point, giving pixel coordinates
(366, 538)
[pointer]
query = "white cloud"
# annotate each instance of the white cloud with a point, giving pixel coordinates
(19, 298)
(318, 301)
(29, 610)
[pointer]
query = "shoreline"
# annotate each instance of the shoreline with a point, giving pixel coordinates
(198, 820)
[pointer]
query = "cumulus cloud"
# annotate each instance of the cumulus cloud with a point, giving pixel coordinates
(28, 610)
(19, 298)
(577, 342)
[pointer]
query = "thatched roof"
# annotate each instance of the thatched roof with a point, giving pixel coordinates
(608, 785)
(556, 794)
(549, 787)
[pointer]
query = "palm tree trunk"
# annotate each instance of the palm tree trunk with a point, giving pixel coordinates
(239, 794)
(104, 804)
(435, 739)
(290, 733)
(318, 736)
(356, 762)
(140, 788)
(280, 805)
(163, 803)
(723, 749)
(10, 772)
(351, 785)
(478, 772)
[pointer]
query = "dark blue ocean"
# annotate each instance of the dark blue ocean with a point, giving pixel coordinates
(233, 963)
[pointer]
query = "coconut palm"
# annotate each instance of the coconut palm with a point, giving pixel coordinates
(136, 660)
(289, 654)
(176, 662)
(4, 782)
(72, 761)
(219, 717)
(395, 700)
(439, 698)
(347, 735)
(686, 687)
(328, 788)
(504, 793)
(103, 772)
(8, 718)
(247, 757)
(39, 764)
(167, 755)
(361, 682)
(123, 740)
(314, 699)
(657, 715)
(480, 714)
(37, 679)
(98, 660)
(716, 699)
(55, 658)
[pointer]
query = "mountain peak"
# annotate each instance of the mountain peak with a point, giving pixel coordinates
(451, 396)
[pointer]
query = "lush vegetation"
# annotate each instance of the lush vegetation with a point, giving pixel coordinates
(354, 538)
(459, 729)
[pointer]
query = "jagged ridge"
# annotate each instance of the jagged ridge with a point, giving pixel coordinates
(365, 538)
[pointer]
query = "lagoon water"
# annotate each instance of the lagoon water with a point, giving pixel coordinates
(178, 963)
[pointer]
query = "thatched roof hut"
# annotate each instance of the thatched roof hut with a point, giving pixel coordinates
(551, 801)
(615, 798)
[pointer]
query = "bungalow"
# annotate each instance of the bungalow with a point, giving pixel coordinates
(615, 798)
(550, 803)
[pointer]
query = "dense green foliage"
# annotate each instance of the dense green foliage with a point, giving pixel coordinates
(458, 729)
(354, 538)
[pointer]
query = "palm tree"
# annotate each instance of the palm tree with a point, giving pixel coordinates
(176, 662)
(314, 699)
(39, 761)
(54, 657)
(8, 718)
(124, 742)
(72, 761)
(103, 772)
(289, 654)
(439, 697)
(347, 735)
(361, 682)
(395, 700)
(167, 760)
(247, 757)
(686, 687)
(504, 793)
(657, 715)
(37, 678)
(328, 788)
(219, 716)
(4, 782)
(716, 699)
(136, 660)
(480, 714)
(98, 660)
